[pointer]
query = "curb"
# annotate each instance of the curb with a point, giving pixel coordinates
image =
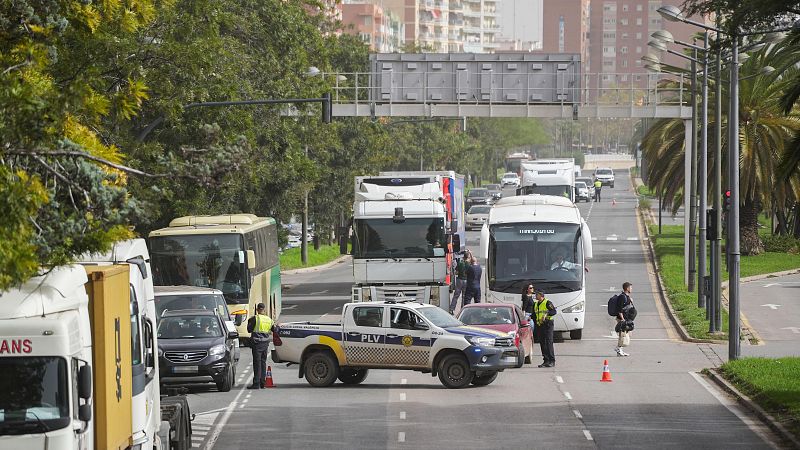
(745, 401)
(336, 261)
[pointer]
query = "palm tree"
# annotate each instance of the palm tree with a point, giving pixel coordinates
(764, 135)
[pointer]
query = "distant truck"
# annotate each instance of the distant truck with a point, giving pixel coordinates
(402, 238)
(548, 177)
(79, 342)
(394, 335)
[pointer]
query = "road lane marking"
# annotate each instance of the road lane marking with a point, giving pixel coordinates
(577, 414)
(402, 396)
(401, 436)
(731, 406)
(588, 435)
(225, 417)
(402, 415)
(612, 262)
(613, 250)
(632, 239)
(568, 395)
(794, 330)
(287, 307)
(403, 381)
(559, 379)
(320, 292)
(772, 306)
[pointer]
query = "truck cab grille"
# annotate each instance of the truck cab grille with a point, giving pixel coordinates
(186, 356)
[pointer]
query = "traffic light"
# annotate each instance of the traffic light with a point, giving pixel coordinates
(327, 108)
(712, 227)
(726, 201)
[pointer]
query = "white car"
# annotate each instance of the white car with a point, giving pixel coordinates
(581, 191)
(605, 175)
(510, 178)
(477, 216)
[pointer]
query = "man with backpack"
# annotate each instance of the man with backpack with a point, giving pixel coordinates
(621, 308)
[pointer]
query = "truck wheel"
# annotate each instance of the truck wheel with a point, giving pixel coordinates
(321, 370)
(576, 335)
(454, 372)
(352, 376)
(227, 382)
(484, 380)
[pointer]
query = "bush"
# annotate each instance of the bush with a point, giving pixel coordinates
(781, 244)
(644, 203)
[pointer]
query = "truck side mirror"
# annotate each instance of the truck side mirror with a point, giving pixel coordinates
(456, 243)
(85, 412)
(85, 384)
(343, 239)
(251, 259)
(141, 264)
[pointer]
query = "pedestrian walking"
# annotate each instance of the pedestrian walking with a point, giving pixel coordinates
(260, 327)
(473, 284)
(626, 313)
(598, 186)
(543, 314)
(461, 279)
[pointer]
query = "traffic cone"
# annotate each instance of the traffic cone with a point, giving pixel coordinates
(613, 202)
(268, 382)
(606, 372)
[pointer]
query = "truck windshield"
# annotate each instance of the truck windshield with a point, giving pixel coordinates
(385, 238)
(214, 260)
(439, 317)
(34, 395)
(550, 255)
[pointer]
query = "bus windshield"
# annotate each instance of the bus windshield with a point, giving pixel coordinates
(550, 255)
(412, 238)
(559, 191)
(214, 261)
(34, 397)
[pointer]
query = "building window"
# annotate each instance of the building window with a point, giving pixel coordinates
(624, 64)
(624, 35)
(608, 63)
(610, 21)
(638, 49)
(611, 35)
(623, 22)
(638, 63)
(639, 8)
(638, 78)
(639, 21)
(655, 21)
(638, 36)
(623, 50)
(367, 20)
(624, 77)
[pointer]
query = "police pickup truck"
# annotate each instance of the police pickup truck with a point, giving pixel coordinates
(394, 335)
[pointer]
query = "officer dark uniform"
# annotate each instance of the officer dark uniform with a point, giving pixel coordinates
(260, 328)
(543, 313)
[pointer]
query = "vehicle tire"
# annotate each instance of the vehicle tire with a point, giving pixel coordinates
(520, 357)
(529, 359)
(612, 185)
(352, 376)
(576, 335)
(484, 380)
(454, 371)
(227, 381)
(321, 370)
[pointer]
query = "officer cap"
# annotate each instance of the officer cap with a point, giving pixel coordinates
(260, 306)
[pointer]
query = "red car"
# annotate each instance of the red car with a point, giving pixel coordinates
(502, 317)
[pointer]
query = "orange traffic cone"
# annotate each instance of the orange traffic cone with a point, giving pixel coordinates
(606, 372)
(268, 381)
(613, 202)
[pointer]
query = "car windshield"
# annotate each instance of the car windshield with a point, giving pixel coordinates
(209, 302)
(550, 255)
(213, 261)
(498, 315)
(34, 395)
(478, 193)
(509, 175)
(604, 172)
(439, 317)
(188, 327)
(412, 238)
(479, 209)
(493, 187)
(580, 185)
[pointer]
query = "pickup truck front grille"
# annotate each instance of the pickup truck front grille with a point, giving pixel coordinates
(185, 357)
(504, 342)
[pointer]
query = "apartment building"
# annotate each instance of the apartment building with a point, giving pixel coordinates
(565, 27)
(381, 28)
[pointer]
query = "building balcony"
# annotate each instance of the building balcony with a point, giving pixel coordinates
(471, 13)
(473, 29)
(456, 6)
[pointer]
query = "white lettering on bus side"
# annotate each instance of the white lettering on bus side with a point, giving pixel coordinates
(13, 346)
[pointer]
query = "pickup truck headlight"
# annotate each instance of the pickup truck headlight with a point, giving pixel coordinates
(217, 350)
(577, 307)
(480, 341)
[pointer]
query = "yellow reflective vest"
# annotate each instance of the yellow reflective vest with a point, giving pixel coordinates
(263, 324)
(540, 309)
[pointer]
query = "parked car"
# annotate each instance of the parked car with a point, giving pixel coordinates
(172, 298)
(477, 216)
(605, 175)
(194, 346)
(510, 178)
(506, 318)
(581, 191)
(478, 196)
(588, 180)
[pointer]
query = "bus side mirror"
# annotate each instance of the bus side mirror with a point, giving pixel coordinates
(251, 259)
(239, 316)
(85, 384)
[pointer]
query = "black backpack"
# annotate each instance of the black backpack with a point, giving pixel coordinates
(613, 306)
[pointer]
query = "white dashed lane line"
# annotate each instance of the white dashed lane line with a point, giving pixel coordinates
(402, 415)
(588, 435)
(577, 414)
(402, 396)
(568, 395)
(401, 436)
(201, 426)
(559, 380)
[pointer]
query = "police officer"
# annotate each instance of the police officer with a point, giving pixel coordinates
(598, 186)
(260, 328)
(461, 279)
(543, 313)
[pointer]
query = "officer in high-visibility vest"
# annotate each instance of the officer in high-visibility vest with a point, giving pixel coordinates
(598, 186)
(543, 312)
(260, 327)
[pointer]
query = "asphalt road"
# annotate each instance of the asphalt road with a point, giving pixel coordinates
(656, 399)
(772, 307)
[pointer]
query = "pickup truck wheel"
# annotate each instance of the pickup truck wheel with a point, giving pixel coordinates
(321, 370)
(484, 380)
(576, 335)
(454, 372)
(352, 376)
(227, 382)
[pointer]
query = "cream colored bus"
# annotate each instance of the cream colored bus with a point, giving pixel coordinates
(237, 254)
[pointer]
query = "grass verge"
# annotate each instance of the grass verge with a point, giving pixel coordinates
(772, 383)
(290, 259)
(669, 253)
